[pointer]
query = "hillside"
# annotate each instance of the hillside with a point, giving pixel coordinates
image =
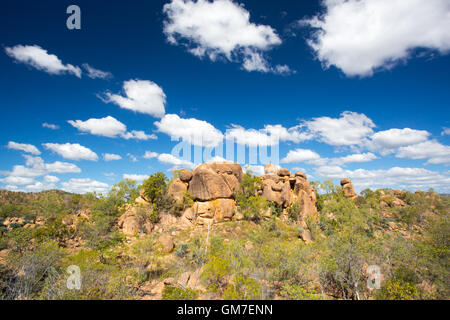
(217, 233)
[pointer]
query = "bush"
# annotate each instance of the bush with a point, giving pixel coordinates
(243, 288)
(176, 293)
(182, 250)
(155, 190)
(186, 202)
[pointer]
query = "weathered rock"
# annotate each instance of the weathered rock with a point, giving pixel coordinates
(306, 236)
(284, 172)
(185, 175)
(347, 188)
(177, 189)
(270, 169)
(219, 209)
(300, 174)
(167, 243)
(130, 223)
(215, 180)
(141, 201)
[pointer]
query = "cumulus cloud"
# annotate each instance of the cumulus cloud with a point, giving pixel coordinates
(362, 36)
(301, 155)
(388, 141)
(172, 160)
(50, 126)
(193, 131)
(269, 136)
(35, 167)
(106, 127)
(95, 73)
(135, 177)
(84, 185)
(220, 29)
(28, 148)
(40, 59)
(72, 151)
(111, 157)
(17, 181)
(51, 179)
(435, 152)
(150, 155)
(109, 127)
(140, 96)
(350, 129)
(354, 158)
(396, 177)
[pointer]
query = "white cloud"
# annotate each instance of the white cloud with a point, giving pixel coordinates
(36, 167)
(62, 167)
(106, 127)
(435, 152)
(135, 177)
(132, 157)
(397, 177)
(17, 181)
(256, 170)
(445, 131)
(150, 155)
(362, 36)
(301, 155)
(360, 157)
(51, 179)
(40, 186)
(220, 29)
(111, 157)
(50, 126)
(197, 132)
(139, 135)
(84, 185)
(269, 136)
(29, 148)
(72, 151)
(350, 129)
(140, 96)
(388, 141)
(38, 58)
(95, 73)
(109, 127)
(172, 160)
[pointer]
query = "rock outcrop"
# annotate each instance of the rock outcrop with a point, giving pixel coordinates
(213, 187)
(285, 188)
(214, 180)
(347, 188)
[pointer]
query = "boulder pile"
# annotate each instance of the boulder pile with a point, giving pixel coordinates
(213, 187)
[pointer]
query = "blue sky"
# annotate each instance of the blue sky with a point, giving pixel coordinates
(338, 87)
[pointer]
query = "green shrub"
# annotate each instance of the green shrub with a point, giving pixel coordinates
(243, 288)
(182, 250)
(176, 293)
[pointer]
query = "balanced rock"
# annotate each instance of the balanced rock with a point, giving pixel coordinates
(185, 175)
(215, 180)
(347, 188)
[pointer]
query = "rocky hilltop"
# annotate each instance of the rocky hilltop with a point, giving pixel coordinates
(213, 187)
